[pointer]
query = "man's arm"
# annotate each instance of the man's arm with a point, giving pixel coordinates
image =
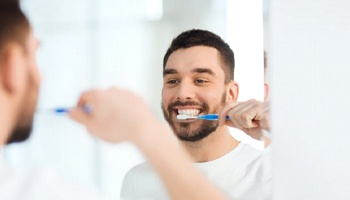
(119, 115)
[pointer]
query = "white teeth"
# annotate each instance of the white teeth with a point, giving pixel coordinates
(189, 112)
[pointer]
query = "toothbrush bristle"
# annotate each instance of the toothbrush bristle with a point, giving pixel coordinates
(182, 116)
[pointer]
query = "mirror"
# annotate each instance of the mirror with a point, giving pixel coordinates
(88, 44)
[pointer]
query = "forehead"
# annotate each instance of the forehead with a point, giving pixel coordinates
(185, 60)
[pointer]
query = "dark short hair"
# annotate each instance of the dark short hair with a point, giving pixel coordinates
(14, 25)
(197, 37)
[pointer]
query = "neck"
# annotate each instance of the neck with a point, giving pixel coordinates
(214, 146)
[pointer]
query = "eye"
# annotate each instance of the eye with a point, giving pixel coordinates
(200, 81)
(172, 81)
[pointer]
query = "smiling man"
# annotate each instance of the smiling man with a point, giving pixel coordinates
(195, 84)
(198, 72)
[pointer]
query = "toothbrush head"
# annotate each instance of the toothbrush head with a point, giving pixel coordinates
(184, 117)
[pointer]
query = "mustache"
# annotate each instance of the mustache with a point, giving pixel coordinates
(186, 103)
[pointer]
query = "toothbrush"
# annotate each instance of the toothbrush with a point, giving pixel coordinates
(63, 110)
(205, 117)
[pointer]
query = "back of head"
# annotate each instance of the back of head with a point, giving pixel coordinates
(14, 26)
(197, 37)
(14, 29)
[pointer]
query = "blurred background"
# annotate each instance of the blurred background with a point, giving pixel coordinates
(88, 43)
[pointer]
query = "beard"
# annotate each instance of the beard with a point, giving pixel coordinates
(183, 130)
(20, 133)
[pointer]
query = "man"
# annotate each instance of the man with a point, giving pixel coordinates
(20, 81)
(109, 120)
(198, 79)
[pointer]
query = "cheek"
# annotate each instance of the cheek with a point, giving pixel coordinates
(212, 95)
(29, 99)
(166, 96)
(35, 73)
(37, 77)
(215, 98)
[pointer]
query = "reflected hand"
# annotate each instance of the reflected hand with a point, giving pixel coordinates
(250, 116)
(117, 114)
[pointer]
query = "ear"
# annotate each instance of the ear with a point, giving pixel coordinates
(12, 69)
(232, 91)
(266, 91)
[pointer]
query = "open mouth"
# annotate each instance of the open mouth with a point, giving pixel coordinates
(188, 112)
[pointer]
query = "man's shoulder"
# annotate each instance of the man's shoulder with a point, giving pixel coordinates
(246, 153)
(243, 173)
(143, 171)
(142, 181)
(250, 156)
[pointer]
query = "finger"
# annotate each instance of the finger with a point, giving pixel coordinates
(241, 107)
(234, 123)
(245, 113)
(86, 97)
(234, 120)
(224, 112)
(78, 115)
(229, 123)
(230, 109)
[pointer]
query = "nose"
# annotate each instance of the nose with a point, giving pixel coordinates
(185, 91)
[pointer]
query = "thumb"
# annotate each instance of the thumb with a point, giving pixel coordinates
(225, 112)
(78, 115)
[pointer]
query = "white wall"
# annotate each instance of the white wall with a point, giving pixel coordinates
(310, 69)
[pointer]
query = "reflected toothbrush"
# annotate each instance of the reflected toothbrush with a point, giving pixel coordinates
(62, 110)
(210, 117)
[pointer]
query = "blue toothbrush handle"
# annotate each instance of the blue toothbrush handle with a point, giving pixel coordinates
(61, 110)
(211, 117)
(86, 109)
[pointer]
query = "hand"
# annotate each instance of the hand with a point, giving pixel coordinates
(250, 116)
(117, 114)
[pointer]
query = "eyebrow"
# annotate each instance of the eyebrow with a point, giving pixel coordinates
(169, 71)
(203, 70)
(196, 70)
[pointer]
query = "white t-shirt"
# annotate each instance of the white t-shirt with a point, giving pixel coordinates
(38, 184)
(243, 173)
